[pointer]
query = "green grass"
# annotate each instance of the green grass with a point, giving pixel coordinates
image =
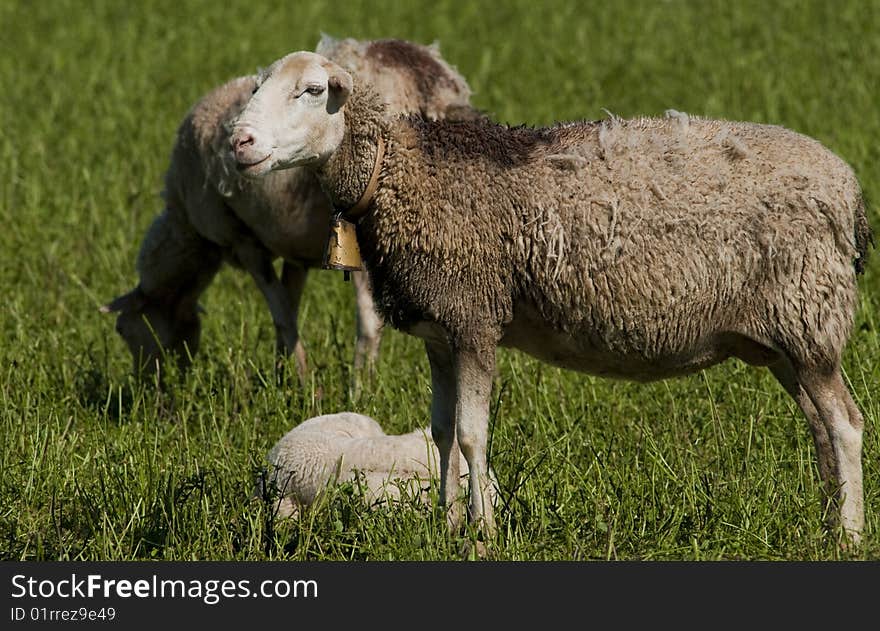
(719, 465)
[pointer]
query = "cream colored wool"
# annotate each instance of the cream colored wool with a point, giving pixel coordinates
(349, 447)
(213, 215)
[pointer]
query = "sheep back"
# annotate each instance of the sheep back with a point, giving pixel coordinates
(638, 239)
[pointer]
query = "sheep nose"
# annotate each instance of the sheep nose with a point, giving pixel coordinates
(241, 140)
(247, 151)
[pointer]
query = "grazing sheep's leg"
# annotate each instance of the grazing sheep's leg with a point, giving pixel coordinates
(258, 262)
(443, 427)
(369, 325)
(175, 264)
(785, 374)
(293, 277)
(473, 382)
(844, 424)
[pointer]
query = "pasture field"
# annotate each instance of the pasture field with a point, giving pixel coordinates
(719, 465)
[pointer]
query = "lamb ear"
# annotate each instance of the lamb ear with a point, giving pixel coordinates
(132, 301)
(339, 85)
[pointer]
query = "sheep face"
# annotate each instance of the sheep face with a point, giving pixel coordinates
(152, 329)
(294, 116)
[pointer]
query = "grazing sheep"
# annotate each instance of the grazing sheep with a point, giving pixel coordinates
(213, 215)
(349, 447)
(638, 249)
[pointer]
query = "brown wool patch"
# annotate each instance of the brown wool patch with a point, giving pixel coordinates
(426, 72)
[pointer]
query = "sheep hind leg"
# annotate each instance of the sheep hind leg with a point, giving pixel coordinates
(844, 425)
(443, 428)
(784, 373)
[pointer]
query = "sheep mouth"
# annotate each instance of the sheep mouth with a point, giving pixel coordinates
(251, 167)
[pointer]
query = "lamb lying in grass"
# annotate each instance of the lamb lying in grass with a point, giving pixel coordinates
(350, 447)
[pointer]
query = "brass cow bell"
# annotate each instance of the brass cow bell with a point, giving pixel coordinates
(342, 251)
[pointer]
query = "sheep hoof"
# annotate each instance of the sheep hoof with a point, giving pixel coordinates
(474, 550)
(455, 517)
(850, 542)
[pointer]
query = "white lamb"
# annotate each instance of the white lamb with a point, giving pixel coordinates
(350, 447)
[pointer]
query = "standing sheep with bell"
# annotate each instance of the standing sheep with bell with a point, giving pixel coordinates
(638, 249)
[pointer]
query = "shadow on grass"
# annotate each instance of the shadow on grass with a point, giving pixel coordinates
(109, 500)
(95, 391)
(151, 537)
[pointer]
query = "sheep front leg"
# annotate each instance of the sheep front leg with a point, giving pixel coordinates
(473, 385)
(293, 277)
(443, 427)
(258, 262)
(369, 325)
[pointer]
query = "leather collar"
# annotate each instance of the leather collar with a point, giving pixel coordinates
(356, 212)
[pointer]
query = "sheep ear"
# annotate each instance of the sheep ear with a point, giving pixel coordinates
(327, 42)
(132, 301)
(339, 84)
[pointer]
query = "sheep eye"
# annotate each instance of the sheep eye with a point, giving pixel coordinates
(315, 90)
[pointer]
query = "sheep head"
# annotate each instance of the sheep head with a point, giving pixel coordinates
(154, 328)
(294, 116)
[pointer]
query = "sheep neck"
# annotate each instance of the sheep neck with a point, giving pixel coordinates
(357, 211)
(346, 175)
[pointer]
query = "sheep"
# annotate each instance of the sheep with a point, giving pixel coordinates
(212, 215)
(639, 249)
(349, 447)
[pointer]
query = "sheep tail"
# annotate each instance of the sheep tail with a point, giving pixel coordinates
(864, 236)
